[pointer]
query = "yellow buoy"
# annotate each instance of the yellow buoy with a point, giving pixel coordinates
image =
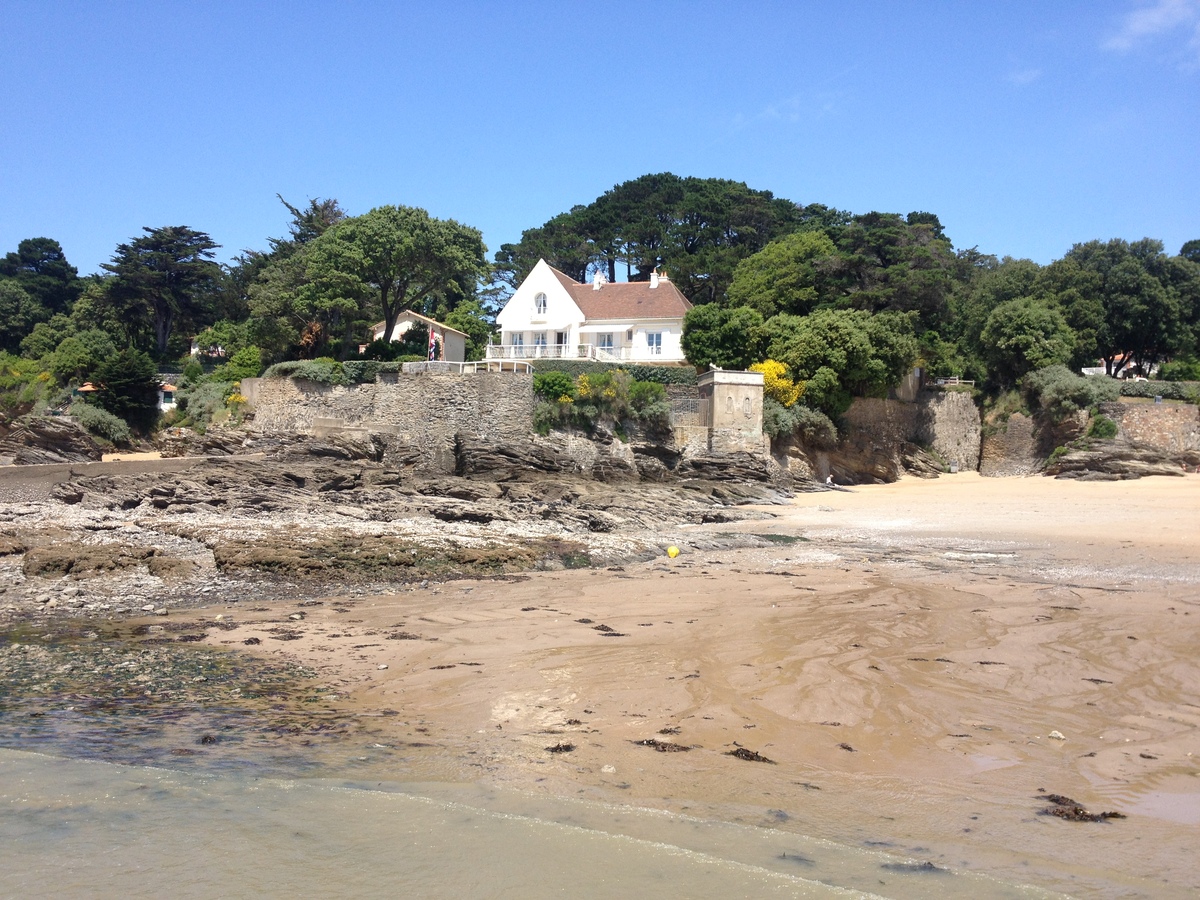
(672, 551)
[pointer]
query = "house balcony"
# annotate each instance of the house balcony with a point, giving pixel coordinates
(576, 351)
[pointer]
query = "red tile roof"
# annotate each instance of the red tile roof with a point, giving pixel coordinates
(626, 300)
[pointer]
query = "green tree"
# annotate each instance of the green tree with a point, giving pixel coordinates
(843, 353)
(164, 280)
(46, 336)
(1132, 297)
(785, 276)
(281, 321)
(129, 383)
(698, 229)
(78, 355)
(1024, 335)
(886, 262)
(40, 268)
(19, 315)
(723, 337)
(392, 259)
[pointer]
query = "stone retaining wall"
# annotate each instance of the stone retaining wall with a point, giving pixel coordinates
(948, 422)
(424, 411)
(1169, 427)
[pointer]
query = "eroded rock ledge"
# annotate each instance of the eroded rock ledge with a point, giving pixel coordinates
(348, 511)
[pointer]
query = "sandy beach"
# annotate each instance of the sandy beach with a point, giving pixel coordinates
(912, 667)
(920, 665)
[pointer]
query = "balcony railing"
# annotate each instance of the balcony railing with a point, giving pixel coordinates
(565, 351)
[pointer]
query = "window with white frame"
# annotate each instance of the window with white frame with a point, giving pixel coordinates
(654, 343)
(518, 339)
(539, 339)
(605, 341)
(539, 305)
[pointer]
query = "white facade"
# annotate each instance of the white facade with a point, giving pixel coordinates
(551, 316)
(451, 343)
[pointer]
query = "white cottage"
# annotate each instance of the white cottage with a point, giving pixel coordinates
(554, 316)
(450, 343)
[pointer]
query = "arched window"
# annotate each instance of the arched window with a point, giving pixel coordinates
(539, 304)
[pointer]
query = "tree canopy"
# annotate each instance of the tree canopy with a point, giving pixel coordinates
(36, 283)
(392, 259)
(698, 229)
(164, 280)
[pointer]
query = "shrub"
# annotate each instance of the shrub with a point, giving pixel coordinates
(361, 371)
(1060, 392)
(811, 426)
(661, 374)
(644, 394)
(1187, 391)
(384, 351)
(100, 422)
(198, 405)
(610, 395)
(322, 371)
(776, 383)
(192, 370)
(1185, 369)
(554, 386)
(1103, 428)
(245, 363)
(23, 384)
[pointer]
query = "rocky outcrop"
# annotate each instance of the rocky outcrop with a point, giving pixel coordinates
(881, 440)
(310, 511)
(1152, 439)
(35, 439)
(1118, 460)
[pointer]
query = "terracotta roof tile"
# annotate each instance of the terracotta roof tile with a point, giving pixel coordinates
(626, 299)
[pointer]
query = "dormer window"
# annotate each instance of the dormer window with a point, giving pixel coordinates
(539, 305)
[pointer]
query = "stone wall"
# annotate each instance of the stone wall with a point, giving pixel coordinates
(423, 411)
(948, 422)
(1168, 427)
(437, 414)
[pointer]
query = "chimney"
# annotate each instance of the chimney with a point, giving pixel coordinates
(654, 279)
(597, 280)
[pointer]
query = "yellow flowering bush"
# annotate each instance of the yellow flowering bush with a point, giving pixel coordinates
(776, 383)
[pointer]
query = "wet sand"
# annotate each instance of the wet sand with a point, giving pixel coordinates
(908, 666)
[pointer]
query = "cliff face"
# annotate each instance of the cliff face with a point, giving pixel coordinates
(880, 440)
(31, 439)
(479, 425)
(1152, 439)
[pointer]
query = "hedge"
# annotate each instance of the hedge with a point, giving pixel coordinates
(1188, 391)
(660, 374)
(319, 370)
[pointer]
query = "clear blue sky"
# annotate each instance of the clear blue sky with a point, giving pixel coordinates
(1026, 126)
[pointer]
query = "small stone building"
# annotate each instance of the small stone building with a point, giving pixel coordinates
(731, 407)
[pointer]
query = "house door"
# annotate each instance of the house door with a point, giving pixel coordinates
(560, 341)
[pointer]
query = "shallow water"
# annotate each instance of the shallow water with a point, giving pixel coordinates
(73, 828)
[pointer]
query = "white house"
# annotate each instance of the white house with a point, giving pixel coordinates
(450, 343)
(551, 315)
